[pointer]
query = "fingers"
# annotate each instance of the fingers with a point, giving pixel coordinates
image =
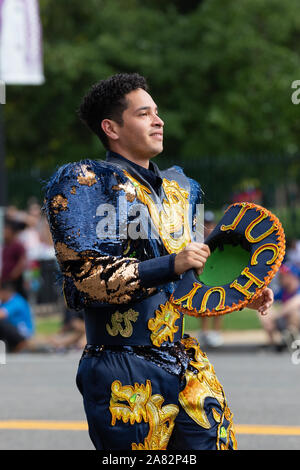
(199, 271)
(199, 258)
(269, 295)
(267, 298)
(263, 303)
(196, 258)
(199, 248)
(193, 256)
(263, 310)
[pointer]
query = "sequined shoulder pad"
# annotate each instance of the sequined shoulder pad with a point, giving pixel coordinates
(85, 173)
(73, 197)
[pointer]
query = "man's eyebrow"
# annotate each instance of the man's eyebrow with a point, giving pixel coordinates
(144, 108)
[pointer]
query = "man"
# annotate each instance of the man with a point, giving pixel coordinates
(145, 384)
(285, 318)
(13, 256)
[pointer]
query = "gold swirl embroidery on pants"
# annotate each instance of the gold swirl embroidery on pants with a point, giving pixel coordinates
(200, 386)
(136, 404)
(118, 318)
(227, 433)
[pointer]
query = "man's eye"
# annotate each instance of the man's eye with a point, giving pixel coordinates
(143, 114)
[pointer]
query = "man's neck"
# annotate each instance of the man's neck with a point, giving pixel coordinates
(133, 158)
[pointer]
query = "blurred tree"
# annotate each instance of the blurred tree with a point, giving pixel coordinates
(220, 73)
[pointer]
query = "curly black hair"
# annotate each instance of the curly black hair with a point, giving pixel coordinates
(106, 100)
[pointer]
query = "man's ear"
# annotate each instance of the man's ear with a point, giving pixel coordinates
(110, 128)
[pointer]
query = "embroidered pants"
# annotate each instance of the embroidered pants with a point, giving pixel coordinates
(135, 404)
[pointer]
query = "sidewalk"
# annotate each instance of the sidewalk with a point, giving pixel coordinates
(242, 340)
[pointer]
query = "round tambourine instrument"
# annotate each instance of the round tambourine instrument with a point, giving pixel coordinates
(247, 248)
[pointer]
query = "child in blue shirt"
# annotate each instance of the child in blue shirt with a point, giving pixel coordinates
(16, 320)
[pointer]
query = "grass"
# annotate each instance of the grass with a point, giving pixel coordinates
(245, 320)
(48, 325)
(241, 320)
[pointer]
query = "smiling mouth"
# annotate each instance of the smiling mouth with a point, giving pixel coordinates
(157, 135)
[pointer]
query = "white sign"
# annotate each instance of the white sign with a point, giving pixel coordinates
(20, 43)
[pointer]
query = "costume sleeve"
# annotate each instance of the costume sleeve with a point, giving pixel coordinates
(95, 272)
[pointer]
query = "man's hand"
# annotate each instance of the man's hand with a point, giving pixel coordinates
(263, 302)
(193, 256)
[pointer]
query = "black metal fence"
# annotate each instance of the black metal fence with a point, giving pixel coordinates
(275, 178)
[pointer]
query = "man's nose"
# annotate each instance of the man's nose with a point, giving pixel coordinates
(157, 121)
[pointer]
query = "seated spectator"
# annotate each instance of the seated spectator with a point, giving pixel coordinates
(16, 322)
(293, 252)
(72, 333)
(13, 256)
(36, 237)
(282, 324)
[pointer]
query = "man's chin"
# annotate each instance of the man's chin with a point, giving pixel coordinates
(156, 151)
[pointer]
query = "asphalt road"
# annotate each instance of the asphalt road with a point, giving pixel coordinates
(262, 389)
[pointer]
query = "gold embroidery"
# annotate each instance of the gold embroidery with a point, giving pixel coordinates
(226, 433)
(267, 246)
(200, 386)
(188, 297)
(59, 203)
(117, 318)
(163, 325)
(86, 177)
(221, 304)
(73, 190)
(173, 218)
(245, 288)
(216, 415)
(142, 405)
(264, 214)
(256, 221)
(238, 218)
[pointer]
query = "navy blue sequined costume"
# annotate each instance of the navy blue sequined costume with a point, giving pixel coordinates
(145, 384)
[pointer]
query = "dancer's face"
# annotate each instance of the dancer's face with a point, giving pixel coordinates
(140, 137)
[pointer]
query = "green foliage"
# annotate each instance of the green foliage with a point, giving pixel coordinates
(221, 73)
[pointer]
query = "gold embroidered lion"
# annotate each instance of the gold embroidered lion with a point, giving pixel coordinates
(142, 405)
(163, 325)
